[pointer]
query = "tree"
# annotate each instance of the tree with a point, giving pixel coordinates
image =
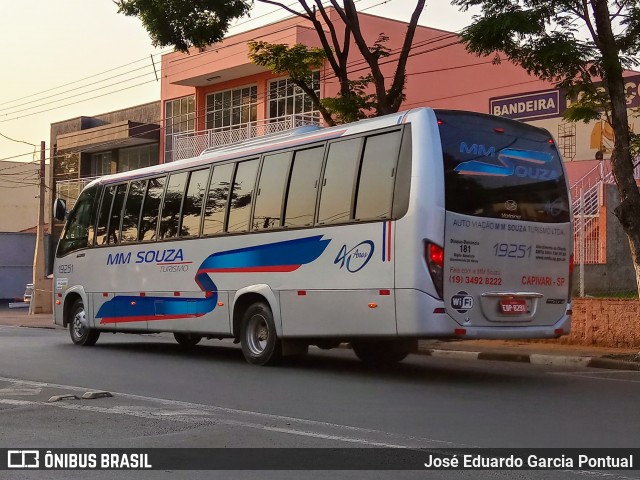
(572, 43)
(353, 99)
(185, 23)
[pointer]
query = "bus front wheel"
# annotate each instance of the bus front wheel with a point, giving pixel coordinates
(79, 329)
(258, 338)
(383, 352)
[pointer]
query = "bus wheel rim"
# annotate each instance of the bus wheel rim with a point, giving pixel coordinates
(257, 335)
(78, 323)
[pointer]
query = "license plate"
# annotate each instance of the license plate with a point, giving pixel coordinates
(513, 306)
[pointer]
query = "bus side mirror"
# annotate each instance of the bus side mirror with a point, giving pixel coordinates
(60, 209)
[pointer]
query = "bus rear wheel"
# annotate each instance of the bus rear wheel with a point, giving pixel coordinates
(383, 352)
(79, 329)
(187, 339)
(258, 338)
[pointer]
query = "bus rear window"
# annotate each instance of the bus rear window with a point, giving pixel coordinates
(500, 168)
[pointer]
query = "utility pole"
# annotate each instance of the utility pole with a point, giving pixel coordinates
(41, 297)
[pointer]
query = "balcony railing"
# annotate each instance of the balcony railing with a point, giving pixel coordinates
(69, 190)
(192, 144)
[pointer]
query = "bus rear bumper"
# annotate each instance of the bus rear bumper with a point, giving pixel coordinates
(421, 315)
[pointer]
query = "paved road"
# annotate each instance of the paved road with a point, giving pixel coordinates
(209, 397)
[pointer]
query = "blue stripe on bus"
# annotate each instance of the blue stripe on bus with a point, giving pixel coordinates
(280, 256)
(384, 239)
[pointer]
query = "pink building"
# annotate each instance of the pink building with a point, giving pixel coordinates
(216, 95)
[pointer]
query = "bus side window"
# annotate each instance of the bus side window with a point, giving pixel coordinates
(171, 205)
(338, 182)
(217, 195)
(193, 200)
(375, 186)
(151, 209)
(113, 236)
(103, 215)
(76, 232)
(132, 208)
(241, 196)
(303, 187)
(273, 177)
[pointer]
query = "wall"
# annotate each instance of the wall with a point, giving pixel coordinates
(605, 323)
(617, 275)
(19, 196)
(16, 263)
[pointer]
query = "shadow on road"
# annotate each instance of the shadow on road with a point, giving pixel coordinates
(341, 362)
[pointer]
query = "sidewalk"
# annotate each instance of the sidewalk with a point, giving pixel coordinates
(19, 317)
(540, 353)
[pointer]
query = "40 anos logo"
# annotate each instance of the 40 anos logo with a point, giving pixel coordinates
(355, 259)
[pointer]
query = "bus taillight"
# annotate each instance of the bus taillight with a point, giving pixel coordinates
(434, 255)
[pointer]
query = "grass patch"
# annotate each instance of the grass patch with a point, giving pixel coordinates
(627, 295)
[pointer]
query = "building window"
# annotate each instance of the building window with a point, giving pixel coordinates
(285, 98)
(180, 115)
(100, 164)
(137, 157)
(232, 107)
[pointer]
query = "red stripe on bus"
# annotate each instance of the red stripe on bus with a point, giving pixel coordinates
(147, 318)
(275, 268)
(389, 242)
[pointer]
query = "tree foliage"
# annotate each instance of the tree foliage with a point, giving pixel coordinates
(185, 23)
(574, 43)
(354, 101)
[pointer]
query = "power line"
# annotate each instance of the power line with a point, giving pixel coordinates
(266, 94)
(75, 90)
(17, 141)
(189, 58)
(252, 19)
(249, 20)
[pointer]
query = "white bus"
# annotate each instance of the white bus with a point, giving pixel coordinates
(422, 224)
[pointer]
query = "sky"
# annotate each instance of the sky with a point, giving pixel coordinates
(61, 59)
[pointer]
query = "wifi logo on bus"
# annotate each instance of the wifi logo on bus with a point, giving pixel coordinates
(462, 302)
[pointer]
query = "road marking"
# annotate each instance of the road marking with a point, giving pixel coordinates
(198, 413)
(174, 410)
(18, 390)
(597, 375)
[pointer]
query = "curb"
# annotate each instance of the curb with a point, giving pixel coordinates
(535, 358)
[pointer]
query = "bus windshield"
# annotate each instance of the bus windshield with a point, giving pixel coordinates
(500, 168)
